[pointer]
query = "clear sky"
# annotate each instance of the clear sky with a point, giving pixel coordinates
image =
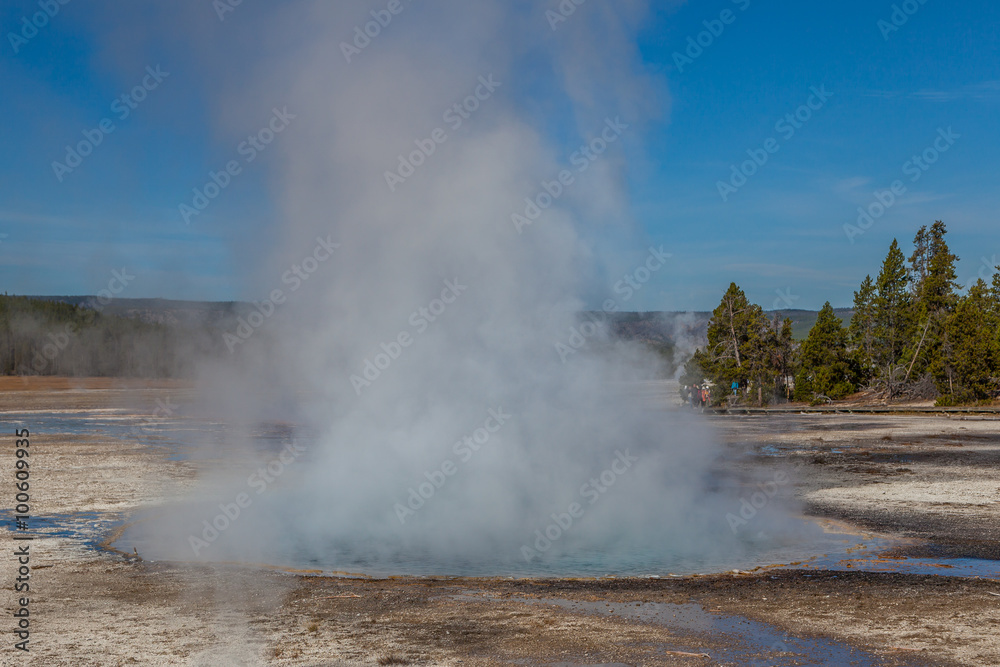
(880, 96)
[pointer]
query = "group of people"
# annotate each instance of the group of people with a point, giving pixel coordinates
(699, 395)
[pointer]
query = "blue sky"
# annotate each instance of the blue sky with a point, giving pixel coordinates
(782, 232)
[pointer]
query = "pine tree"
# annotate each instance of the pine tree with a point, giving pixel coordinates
(783, 350)
(919, 260)
(727, 329)
(995, 293)
(892, 320)
(969, 355)
(938, 289)
(935, 302)
(994, 302)
(740, 347)
(826, 368)
(861, 331)
(763, 351)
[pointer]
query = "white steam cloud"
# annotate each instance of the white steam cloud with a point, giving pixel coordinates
(442, 311)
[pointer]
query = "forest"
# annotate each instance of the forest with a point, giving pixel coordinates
(46, 337)
(916, 333)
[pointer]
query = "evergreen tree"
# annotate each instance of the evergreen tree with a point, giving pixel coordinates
(919, 260)
(892, 321)
(861, 331)
(938, 289)
(783, 350)
(970, 353)
(935, 302)
(740, 346)
(995, 293)
(826, 368)
(761, 361)
(994, 308)
(727, 330)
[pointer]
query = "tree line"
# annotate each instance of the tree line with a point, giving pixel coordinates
(913, 334)
(42, 337)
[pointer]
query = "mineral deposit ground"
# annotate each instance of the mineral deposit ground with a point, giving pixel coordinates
(927, 483)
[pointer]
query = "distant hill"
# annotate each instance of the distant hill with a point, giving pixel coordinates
(108, 345)
(653, 326)
(658, 327)
(804, 320)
